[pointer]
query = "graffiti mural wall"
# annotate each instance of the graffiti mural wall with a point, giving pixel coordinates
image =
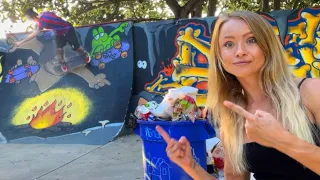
(299, 34)
(40, 100)
(132, 63)
(178, 51)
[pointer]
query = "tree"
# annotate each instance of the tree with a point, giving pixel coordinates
(182, 11)
(267, 5)
(96, 11)
(212, 6)
(81, 12)
(276, 4)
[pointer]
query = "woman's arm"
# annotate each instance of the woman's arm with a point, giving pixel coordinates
(179, 152)
(264, 129)
(305, 153)
(198, 173)
(228, 172)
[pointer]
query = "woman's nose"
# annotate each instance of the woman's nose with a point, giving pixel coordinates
(241, 50)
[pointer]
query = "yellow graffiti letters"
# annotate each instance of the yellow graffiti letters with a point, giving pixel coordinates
(276, 30)
(316, 51)
(298, 30)
(197, 33)
(308, 58)
(187, 71)
(301, 72)
(291, 60)
(312, 24)
(188, 37)
(185, 54)
(316, 65)
(184, 70)
(294, 38)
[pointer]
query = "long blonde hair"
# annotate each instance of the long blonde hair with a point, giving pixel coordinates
(276, 81)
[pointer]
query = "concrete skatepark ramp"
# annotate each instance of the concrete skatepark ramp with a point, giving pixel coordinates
(87, 105)
(132, 63)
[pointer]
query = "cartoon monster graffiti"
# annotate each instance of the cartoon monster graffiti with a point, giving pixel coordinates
(46, 76)
(35, 45)
(107, 47)
(189, 67)
(120, 49)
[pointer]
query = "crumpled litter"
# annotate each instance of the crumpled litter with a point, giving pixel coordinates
(178, 104)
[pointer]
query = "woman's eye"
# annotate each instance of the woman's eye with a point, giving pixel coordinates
(228, 44)
(252, 40)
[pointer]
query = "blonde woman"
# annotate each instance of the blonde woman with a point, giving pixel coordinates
(269, 121)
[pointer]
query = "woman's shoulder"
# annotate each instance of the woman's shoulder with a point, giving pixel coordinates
(310, 85)
(309, 91)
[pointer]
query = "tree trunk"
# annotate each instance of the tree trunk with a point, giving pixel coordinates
(175, 7)
(198, 10)
(296, 3)
(212, 6)
(181, 12)
(276, 4)
(265, 6)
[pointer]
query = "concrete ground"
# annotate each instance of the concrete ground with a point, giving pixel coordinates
(117, 160)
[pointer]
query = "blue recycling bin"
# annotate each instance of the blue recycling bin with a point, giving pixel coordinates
(157, 165)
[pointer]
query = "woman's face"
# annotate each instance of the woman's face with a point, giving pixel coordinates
(241, 55)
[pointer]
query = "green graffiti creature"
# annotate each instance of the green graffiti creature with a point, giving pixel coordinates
(102, 41)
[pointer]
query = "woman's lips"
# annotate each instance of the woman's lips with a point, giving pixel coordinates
(239, 63)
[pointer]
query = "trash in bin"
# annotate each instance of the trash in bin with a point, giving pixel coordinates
(179, 115)
(156, 163)
(179, 104)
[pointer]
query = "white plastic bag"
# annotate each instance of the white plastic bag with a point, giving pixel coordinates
(174, 93)
(166, 107)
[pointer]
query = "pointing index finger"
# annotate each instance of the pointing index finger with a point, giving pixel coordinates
(238, 109)
(164, 134)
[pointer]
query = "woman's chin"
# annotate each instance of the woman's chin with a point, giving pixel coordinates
(244, 74)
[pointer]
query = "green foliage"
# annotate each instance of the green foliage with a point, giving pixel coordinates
(82, 12)
(230, 5)
(256, 5)
(13, 9)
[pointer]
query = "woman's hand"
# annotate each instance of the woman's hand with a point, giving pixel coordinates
(260, 127)
(178, 152)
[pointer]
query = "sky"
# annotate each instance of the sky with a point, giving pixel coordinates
(7, 26)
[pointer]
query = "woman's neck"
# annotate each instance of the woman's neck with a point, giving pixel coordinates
(252, 89)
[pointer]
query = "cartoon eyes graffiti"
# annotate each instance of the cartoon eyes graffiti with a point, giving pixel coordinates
(97, 33)
(142, 64)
